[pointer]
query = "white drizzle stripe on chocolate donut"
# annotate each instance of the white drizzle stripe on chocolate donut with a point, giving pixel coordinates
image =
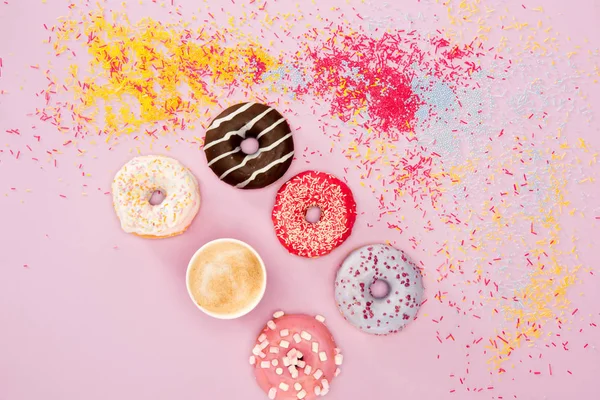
(240, 132)
(224, 152)
(379, 316)
(217, 122)
(135, 183)
(263, 170)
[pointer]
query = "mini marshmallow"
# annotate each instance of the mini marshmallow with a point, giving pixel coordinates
(252, 360)
(272, 393)
(297, 386)
(279, 371)
(265, 364)
(293, 371)
(325, 384)
(262, 337)
(299, 354)
(301, 363)
(256, 350)
(271, 325)
(284, 332)
(284, 386)
(305, 335)
(292, 353)
(317, 390)
(320, 318)
(262, 355)
(278, 314)
(297, 338)
(301, 394)
(315, 347)
(338, 359)
(263, 344)
(286, 362)
(323, 356)
(273, 349)
(307, 370)
(275, 362)
(284, 343)
(337, 372)
(318, 374)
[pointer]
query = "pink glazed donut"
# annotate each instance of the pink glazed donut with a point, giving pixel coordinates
(295, 357)
(365, 266)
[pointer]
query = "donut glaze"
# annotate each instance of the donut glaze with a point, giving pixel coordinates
(223, 145)
(379, 316)
(338, 213)
(132, 189)
(295, 357)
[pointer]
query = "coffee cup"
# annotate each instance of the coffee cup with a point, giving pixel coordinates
(226, 278)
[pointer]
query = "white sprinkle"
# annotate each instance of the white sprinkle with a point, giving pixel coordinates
(286, 362)
(274, 349)
(320, 318)
(305, 335)
(272, 393)
(337, 372)
(318, 374)
(262, 337)
(323, 356)
(338, 359)
(307, 369)
(297, 338)
(301, 363)
(297, 386)
(317, 390)
(284, 386)
(301, 394)
(284, 343)
(271, 325)
(279, 371)
(284, 332)
(315, 347)
(265, 364)
(252, 360)
(275, 362)
(278, 314)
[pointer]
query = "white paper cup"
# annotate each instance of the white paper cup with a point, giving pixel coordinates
(252, 304)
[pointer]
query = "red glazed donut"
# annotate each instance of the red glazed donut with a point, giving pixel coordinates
(338, 213)
(295, 357)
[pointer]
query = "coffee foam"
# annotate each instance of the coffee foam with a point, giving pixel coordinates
(225, 278)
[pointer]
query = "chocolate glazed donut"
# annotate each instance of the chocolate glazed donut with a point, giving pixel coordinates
(223, 140)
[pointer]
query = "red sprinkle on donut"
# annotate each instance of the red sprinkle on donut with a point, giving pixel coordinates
(296, 196)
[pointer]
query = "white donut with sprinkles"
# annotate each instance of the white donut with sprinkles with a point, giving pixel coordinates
(134, 185)
(354, 297)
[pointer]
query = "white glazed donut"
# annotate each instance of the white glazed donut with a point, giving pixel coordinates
(379, 316)
(135, 183)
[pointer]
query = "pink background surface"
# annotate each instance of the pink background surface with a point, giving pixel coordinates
(100, 314)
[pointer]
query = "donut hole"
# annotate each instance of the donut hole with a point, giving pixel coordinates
(313, 214)
(249, 146)
(379, 289)
(157, 197)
